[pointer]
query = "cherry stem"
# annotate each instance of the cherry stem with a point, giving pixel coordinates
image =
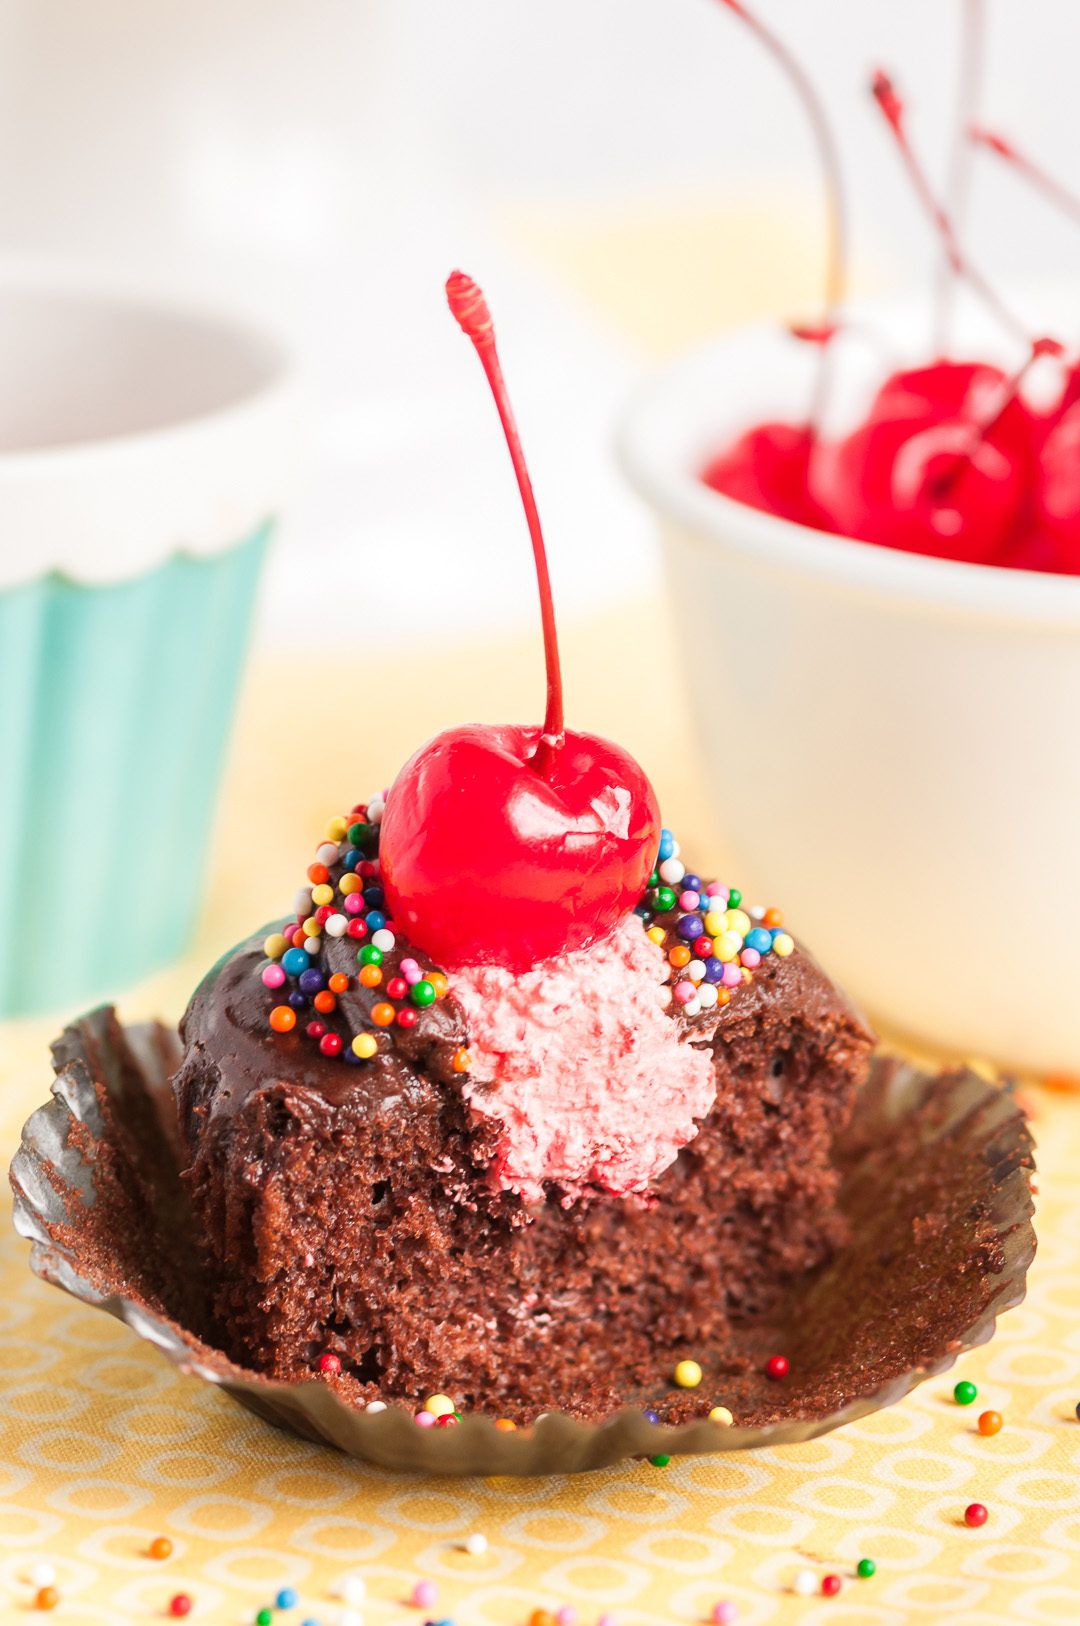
(470, 309)
(1010, 389)
(1051, 188)
(893, 108)
(837, 253)
(972, 42)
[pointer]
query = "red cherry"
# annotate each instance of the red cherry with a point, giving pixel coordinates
(505, 845)
(488, 862)
(767, 468)
(1057, 497)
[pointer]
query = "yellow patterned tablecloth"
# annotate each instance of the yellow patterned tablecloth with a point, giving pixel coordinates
(103, 1447)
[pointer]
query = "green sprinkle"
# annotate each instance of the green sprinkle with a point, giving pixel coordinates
(734, 898)
(659, 1462)
(264, 1618)
(654, 878)
(664, 900)
(964, 1393)
(360, 834)
(369, 955)
(866, 1568)
(422, 993)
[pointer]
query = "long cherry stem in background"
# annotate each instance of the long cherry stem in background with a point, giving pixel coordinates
(1047, 185)
(470, 309)
(887, 99)
(958, 185)
(837, 251)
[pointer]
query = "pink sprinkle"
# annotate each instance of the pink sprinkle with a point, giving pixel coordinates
(354, 903)
(724, 1612)
(750, 958)
(411, 971)
(425, 1593)
(732, 976)
(715, 890)
(607, 1620)
(689, 900)
(567, 1615)
(425, 1419)
(685, 992)
(273, 976)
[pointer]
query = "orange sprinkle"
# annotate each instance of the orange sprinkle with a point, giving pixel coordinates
(381, 1015)
(282, 1018)
(680, 955)
(371, 975)
(299, 937)
(318, 874)
(505, 1426)
(47, 1598)
(338, 982)
(541, 1617)
(161, 1547)
(773, 917)
(990, 1422)
(325, 1002)
(1062, 1083)
(722, 996)
(461, 1064)
(439, 983)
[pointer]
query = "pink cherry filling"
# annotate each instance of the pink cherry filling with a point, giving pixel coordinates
(582, 1064)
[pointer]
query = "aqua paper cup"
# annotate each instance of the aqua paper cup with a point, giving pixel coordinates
(144, 456)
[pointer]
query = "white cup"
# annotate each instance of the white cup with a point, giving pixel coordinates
(893, 741)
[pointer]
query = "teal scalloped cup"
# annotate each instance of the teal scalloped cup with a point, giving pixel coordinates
(145, 455)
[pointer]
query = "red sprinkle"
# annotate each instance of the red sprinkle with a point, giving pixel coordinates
(407, 1018)
(330, 1044)
(357, 928)
(315, 1030)
(329, 1363)
(830, 1585)
(447, 1420)
(397, 988)
(776, 1367)
(975, 1515)
(180, 1604)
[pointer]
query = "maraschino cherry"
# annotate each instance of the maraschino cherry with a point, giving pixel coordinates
(503, 844)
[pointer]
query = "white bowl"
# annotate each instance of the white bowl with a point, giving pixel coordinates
(893, 741)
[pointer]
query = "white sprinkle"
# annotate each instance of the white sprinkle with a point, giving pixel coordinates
(707, 996)
(375, 810)
(693, 1007)
(328, 854)
(42, 1574)
(312, 945)
(382, 939)
(302, 903)
(757, 912)
(804, 1583)
(476, 1544)
(336, 926)
(695, 971)
(375, 1405)
(350, 1617)
(354, 1589)
(672, 871)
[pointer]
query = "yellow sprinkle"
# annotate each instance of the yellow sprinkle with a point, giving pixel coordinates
(364, 1046)
(336, 829)
(439, 1405)
(311, 927)
(322, 894)
(728, 946)
(274, 946)
(782, 944)
(715, 924)
(688, 1374)
(657, 933)
(737, 920)
(350, 883)
(720, 1414)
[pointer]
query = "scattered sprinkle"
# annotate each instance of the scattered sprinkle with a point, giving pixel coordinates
(830, 1585)
(541, 1617)
(975, 1515)
(426, 1419)
(439, 1405)
(865, 1568)
(353, 1589)
(375, 1406)
(506, 1426)
(724, 1613)
(329, 1362)
(180, 1604)
(42, 1573)
(287, 1598)
(424, 1594)
(990, 1422)
(688, 1374)
(161, 1547)
(804, 1583)
(964, 1393)
(476, 1544)
(721, 1415)
(776, 1367)
(660, 1461)
(264, 1617)
(567, 1615)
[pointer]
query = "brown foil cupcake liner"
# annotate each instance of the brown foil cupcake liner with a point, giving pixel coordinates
(935, 1181)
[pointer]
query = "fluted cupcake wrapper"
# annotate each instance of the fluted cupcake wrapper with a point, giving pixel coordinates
(117, 701)
(936, 1174)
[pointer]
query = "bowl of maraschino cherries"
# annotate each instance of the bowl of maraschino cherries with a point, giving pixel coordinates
(871, 527)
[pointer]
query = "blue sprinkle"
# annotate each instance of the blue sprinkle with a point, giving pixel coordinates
(294, 961)
(667, 845)
(313, 981)
(374, 897)
(376, 920)
(349, 1055)
(689, 927)
(643, 910)
(714, 969)
(311, 1622)
(691, 883)
(651, 1416)
(287, 1598)
(352, 858)
(297, 1000)
(760, 938)
(774, 932)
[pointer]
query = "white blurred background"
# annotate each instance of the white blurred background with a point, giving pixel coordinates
(621, 175)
